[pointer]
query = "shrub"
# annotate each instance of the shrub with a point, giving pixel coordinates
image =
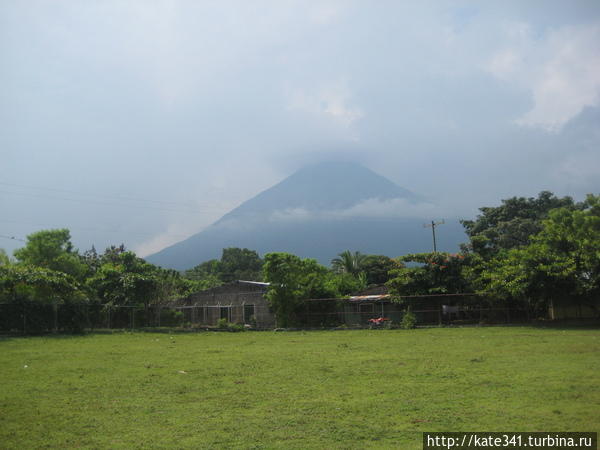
(222, 324)
(409, 320)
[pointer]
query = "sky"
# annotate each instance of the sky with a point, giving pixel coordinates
(142, 122)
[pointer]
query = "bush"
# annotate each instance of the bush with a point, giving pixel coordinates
(222, 324)
(408, 321)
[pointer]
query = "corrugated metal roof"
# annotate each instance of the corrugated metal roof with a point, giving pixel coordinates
(260, 283)
(371, 298)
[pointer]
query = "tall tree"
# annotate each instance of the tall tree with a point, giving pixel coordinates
(431, 273)
(561, 263)
(240, 264)
(292, 280)
(348, 262)
(377, 268)
(52, 249)
(512, 224)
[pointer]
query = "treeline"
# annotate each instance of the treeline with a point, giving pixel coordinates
(527, 251)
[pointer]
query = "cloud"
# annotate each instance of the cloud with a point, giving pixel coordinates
(175, 232)
(330, 104)
(372, 208)
(561, 70)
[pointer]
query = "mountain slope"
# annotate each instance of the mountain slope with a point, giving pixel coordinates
(319, 211)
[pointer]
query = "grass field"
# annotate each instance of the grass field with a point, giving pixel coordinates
(329, 389)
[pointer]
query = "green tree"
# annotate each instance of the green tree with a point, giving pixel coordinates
(348, 262)
(235, 264)
(125, 279)
(292, 280)
(240, 264)
(430, 274)
(512, 224)
(377, 268)
(52, 249)
(561, 263)
(4, 258)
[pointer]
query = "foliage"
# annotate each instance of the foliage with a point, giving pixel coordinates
(409, 320)
(52, 249)
(4, 258)
(20, 283)
(340, 285)
(223, 324)
(562, 262)
(512, 224)
(240, 264)
(235, 264)
(436, 273)
(293, 280)
(377, 268)
(348, 262)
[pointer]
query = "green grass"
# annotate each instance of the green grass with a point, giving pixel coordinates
(330, 389)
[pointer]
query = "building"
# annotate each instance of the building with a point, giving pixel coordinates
(237, 302)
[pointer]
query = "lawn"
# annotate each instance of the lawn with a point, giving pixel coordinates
(328, 389)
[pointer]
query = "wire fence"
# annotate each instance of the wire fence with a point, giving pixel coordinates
(31, 318)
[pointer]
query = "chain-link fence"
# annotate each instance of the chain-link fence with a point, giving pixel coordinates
(35, 317)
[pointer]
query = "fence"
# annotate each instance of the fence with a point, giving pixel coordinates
(430, 310)
(35, 317)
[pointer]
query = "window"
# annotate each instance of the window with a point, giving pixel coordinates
(226, 313)
(248, 313)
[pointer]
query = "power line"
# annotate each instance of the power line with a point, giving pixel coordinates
(109, 197)
(12, 238)
(101, 230)
(36, 195)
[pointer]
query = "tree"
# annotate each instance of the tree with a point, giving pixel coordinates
(4, 258)
(52, 249)
(435, 273)
(292, 280)
(235, 264)
(512, 224)
(561, 263)
(125, 279)
(348, 262)
(240, 264)
(377, 268)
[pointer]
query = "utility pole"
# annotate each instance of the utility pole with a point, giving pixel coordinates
(433, 225)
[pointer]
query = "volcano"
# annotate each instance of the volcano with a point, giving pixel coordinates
(318, 212)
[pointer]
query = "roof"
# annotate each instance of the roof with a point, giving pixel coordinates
(369, 298)
(378, 289)
(259, 283)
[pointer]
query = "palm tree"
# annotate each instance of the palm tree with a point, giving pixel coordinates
(348, 262)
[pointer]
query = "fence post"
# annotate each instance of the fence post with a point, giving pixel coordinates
(55, 308)
(132, 319)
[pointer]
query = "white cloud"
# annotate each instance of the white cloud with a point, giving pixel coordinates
(175, 232)
(561, 70)
(373, 207)
(331, 104)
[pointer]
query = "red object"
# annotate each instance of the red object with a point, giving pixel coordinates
(378, 321)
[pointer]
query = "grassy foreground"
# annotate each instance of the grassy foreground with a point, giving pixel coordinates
(344, 389)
